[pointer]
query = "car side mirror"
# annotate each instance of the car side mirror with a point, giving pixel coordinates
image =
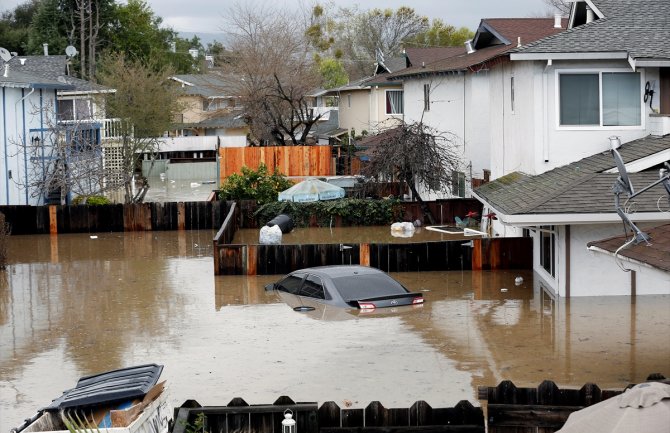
(270, 287)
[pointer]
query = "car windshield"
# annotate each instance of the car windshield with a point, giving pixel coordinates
(353, 287)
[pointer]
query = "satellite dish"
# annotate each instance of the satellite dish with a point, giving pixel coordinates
(624, 181)
(70, 51)
(5, 54)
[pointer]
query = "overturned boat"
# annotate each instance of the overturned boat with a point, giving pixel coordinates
(127, 400)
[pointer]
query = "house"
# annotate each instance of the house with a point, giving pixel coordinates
(570, 206)
(27, 117)
(605, 77)
(455, 94)
(211, 117)
(371, 104)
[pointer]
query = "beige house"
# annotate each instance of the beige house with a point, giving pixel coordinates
(371, 104)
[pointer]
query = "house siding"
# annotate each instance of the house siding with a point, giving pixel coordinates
(532, 141)
(358, 115)
(22, 119)
(594, 273)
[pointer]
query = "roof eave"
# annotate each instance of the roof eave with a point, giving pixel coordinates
(531, 220)
(570, 56)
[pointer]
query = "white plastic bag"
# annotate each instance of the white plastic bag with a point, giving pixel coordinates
(270, 235)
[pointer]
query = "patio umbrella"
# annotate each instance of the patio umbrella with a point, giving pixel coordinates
(311, 190)
(644, 408)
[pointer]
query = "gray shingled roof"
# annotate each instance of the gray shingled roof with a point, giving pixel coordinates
(20, 79)
(207, 85)
(640, 28)
(230, 120)
(53, 69)
(577, 188)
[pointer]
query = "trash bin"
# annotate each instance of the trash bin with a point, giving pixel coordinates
(284, 222)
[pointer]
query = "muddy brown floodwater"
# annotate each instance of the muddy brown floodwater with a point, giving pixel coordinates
(73, 305)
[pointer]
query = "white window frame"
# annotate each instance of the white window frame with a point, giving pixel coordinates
(600, 127)
(402, 113)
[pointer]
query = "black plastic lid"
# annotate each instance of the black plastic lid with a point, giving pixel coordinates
(123, 384)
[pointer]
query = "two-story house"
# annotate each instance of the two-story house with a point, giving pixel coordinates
(562, 101)
(453, 94)
(42, 104)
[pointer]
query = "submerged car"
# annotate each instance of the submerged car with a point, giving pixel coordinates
(348, 286)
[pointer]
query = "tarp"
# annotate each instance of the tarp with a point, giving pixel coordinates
(311, 190)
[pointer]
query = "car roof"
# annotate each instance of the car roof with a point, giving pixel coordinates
(340, 270)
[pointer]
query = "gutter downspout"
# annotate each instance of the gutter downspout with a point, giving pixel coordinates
(545, 132)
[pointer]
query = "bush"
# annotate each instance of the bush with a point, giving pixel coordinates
(256, 185)
(353, 211)
(92, 200)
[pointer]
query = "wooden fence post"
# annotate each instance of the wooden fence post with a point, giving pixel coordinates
(181, 216)
(53, 220)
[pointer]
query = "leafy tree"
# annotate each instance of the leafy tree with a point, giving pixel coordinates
(257, 185)
(14, 27)
(332, 72)
(146, 103)
(417, 154)
(48, 26)
(440, 35)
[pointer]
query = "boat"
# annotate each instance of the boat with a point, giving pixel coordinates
(127, 400)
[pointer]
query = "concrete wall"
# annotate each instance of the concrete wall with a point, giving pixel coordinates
(22, 116)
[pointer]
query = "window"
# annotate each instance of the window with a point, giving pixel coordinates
(547, 249)
(312, 288)
(600, 99)
(74, 109)
(394, 102)
(458, 183)
(290, 284)
(348, 101)
(426, 97)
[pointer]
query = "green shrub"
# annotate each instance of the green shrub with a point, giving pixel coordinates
(256, 185)
(92, 200)
(353, 211)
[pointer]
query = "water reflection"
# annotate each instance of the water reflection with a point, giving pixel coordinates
(72, 305)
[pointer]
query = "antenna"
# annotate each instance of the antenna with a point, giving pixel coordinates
(5, 55)
(70, 51)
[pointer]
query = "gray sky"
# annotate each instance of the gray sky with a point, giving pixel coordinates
(207, 15)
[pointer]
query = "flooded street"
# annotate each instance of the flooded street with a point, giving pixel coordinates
(73, 305)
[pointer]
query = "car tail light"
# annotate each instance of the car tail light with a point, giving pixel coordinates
(366, 306)
(418, 300)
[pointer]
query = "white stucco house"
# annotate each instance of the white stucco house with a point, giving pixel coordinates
(453, 94)
(561, 100)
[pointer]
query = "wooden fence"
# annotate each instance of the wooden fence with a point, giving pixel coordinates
(241, 417)
(544, 409)
(115, 217)
(289, 160)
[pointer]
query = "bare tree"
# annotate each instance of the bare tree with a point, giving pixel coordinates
(417, 154)
(273, 72)
(62, 161)
(559, 6)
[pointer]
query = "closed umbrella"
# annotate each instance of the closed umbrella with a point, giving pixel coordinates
(644, 408)
(311, 190)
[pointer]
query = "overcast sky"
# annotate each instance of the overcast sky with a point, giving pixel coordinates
(207, 15)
